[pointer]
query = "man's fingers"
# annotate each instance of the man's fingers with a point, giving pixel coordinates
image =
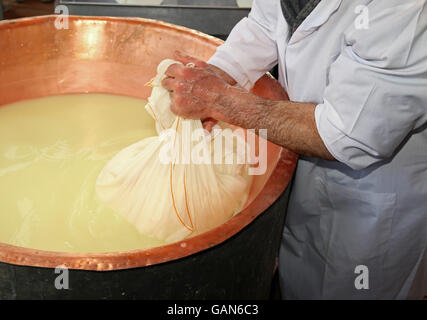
(175, 70)
(176, 85)
(209, 123)
(180, 71)
(177, 101)
(185, 59)
(169, 84)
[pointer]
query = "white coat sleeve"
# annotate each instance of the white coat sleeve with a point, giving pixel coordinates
(250, 49)
(377, 90)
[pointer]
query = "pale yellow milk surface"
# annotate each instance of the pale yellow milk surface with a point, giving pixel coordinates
(51, 152)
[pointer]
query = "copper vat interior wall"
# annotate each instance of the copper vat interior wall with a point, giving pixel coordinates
(117, 56)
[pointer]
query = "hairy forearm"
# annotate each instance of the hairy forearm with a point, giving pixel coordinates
(289, 124)
(207, 92)
(224, 75)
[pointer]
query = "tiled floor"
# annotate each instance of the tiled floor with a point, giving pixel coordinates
(28, 8)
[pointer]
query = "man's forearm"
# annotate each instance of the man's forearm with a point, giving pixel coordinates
(208, 92)
(289, 124)
(224, 75)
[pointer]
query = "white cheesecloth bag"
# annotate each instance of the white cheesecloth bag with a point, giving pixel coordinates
(172, 199)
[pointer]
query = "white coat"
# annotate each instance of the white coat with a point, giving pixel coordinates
(366, 214)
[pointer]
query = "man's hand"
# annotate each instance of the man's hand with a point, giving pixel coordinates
(186, 59)
(199, 92)
(180, 83)
(195, 91)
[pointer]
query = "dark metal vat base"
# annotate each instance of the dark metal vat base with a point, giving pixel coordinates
(239, 268)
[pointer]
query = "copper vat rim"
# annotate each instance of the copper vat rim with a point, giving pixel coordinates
(274, 187)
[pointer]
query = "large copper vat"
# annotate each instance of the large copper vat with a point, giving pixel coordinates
(118, 55)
